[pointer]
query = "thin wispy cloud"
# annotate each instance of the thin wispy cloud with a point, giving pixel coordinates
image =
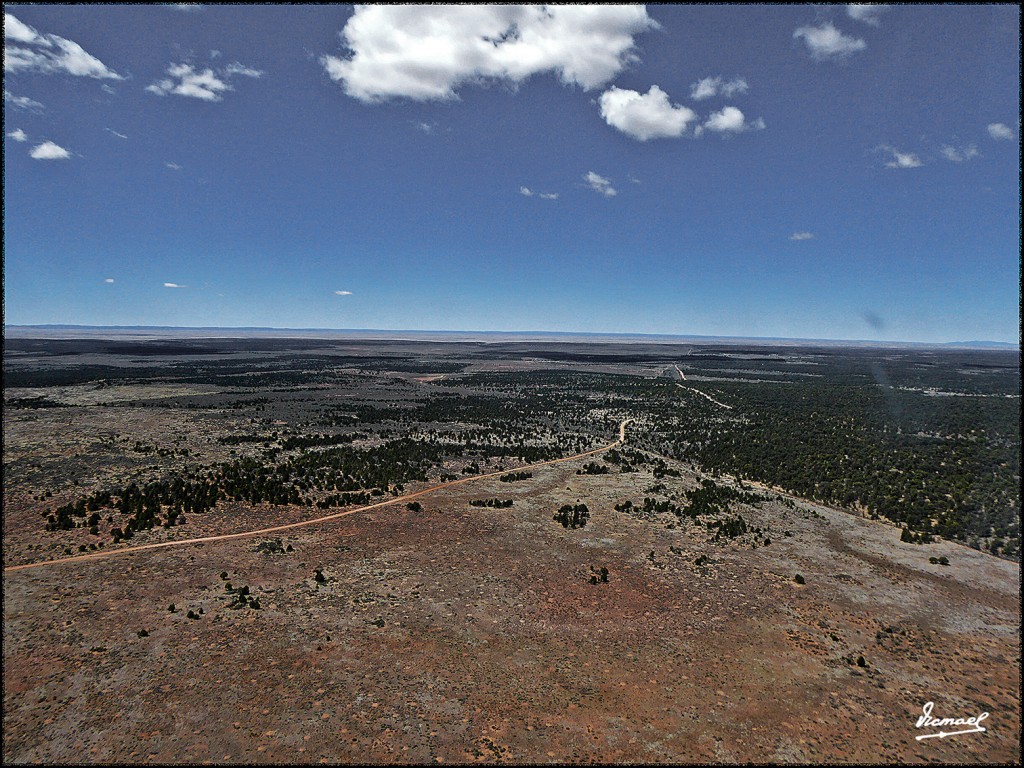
(174, 285)
(645, 116)
(426, 52)
(17, 135)
(119, 135)
(527, 192)
(26, 50)
(244, 71)
(172, 166)
(826, 43)
(1000, 131)
(343, 293)
(206, 85)
(49, 151)
(866, 12)
(599, 184)
(715, 86)
(22, 102)
(802, 236)
(959, 154)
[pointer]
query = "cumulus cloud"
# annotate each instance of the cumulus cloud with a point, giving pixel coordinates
(207, 85)
(900, 159)
(22, 102)
(525, 191)
(174, 285)
(1000, 131)
(49, 151)
(713, 86)
(426, 52)
(599, 184)
(802, 236)
(26, 50)
(645, 116)
(17, 135)
(828, 43)
(731, 120)
(109, 280)
(959, 155)
(866, 12)
(343, 293)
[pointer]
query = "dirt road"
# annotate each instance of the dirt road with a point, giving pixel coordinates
(709, 397)
(326, 518)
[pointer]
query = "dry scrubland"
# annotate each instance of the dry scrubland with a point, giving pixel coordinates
(458, 633)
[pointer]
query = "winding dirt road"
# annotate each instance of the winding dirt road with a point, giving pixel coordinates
(315, 521)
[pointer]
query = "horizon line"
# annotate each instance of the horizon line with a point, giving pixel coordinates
(652, 336)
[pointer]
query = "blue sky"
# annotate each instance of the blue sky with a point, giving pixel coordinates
(846, 172)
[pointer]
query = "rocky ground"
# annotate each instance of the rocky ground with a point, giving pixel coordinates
(460, 634)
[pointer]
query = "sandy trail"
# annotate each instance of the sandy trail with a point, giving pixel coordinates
(702, 394)
(324, 519)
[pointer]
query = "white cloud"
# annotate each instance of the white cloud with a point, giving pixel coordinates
(207, 85)
(109, 280)
(827, 42)
(802, 236)
(22, 102)
(49, 151)
(599, 184)
(712, 86)
(426, 52)
(866, 12)
(48, 53)
(241, 69)
(172, 166)
(17, 135)
(174, 285)
(119, 135)
(20, 32)
(185, 81)
(1000, 131)
(731, 120)
(900, 159)
(527, 192)
(343, 293)
(186, 7)
(645, 116)
(959, 155)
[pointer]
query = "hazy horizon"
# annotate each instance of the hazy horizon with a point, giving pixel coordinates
(388, 333)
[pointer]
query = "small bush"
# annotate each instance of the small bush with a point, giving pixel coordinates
(799, 579)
